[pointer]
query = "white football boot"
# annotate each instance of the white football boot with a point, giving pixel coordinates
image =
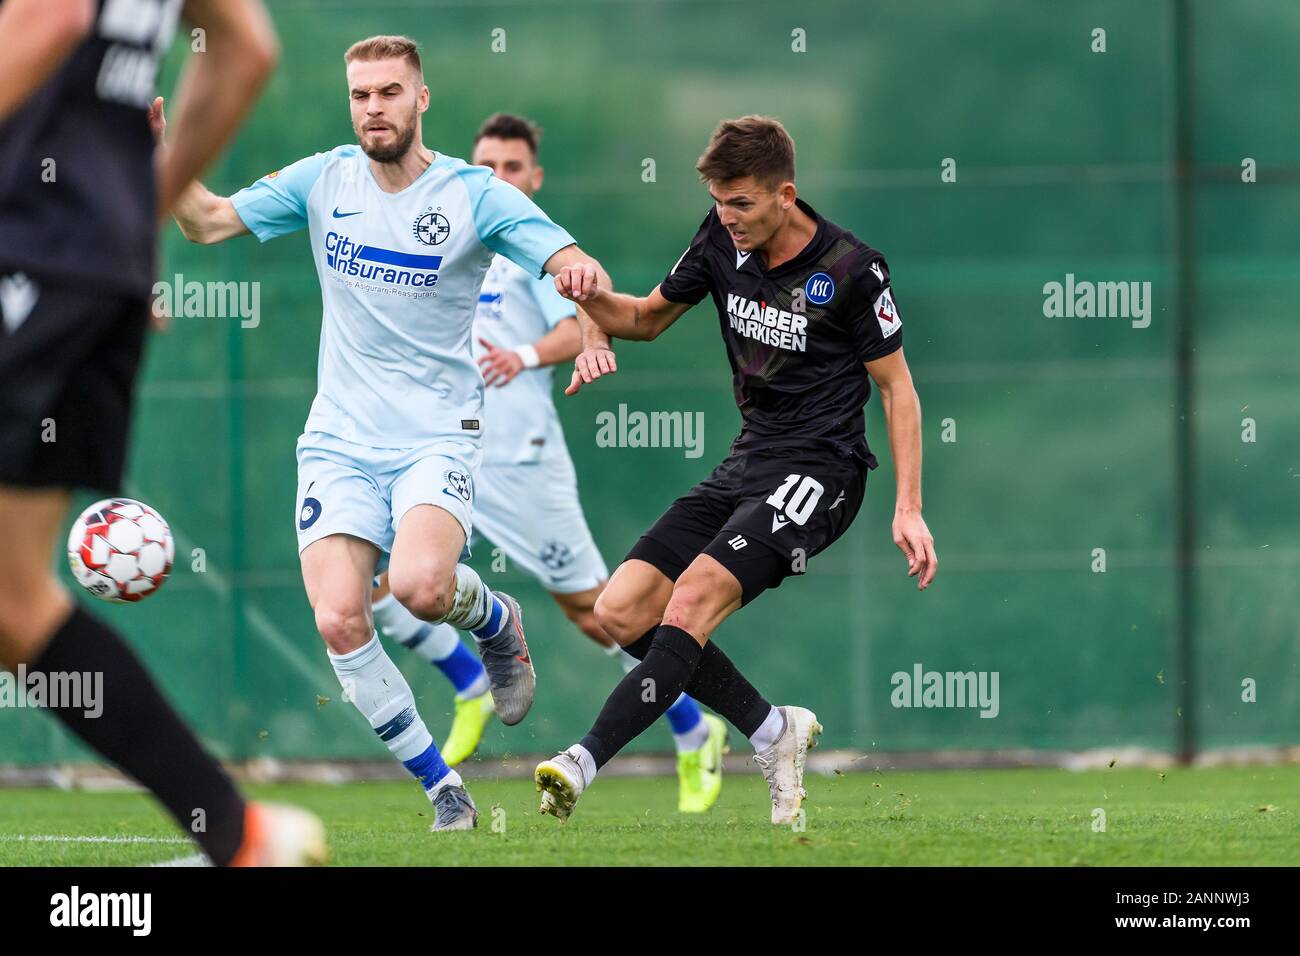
(782, 763)
(560, 783)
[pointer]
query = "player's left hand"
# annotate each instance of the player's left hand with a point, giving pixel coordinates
(499, 366)
(590, 365)
(576, 283)
(915, 541)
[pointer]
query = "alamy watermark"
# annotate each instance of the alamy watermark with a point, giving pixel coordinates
(73, 690)
(180, 299)
(922, 688)
(1102, 300)
(638, 429)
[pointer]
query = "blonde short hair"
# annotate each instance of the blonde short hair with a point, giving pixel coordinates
(386, 48)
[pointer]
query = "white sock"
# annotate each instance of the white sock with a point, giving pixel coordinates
(373, 683)
(769, 731)
(395, 621)
(474, 607)
(586, 762)
(432, 642)
(693, 739)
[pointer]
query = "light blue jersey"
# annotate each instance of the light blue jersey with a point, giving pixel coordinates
(400, 275)
(516, 308)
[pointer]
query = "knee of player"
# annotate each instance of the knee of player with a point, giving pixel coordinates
(424, 596)
(694, 597)
(613, 618)
(342, 629)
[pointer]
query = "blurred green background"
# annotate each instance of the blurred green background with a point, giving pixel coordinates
(1067, 430)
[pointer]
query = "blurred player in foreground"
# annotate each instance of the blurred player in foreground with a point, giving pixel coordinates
(76, 269)
(401, 238)
(526, 492)
(807, 314)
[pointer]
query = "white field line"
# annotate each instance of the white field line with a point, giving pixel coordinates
(198, 859)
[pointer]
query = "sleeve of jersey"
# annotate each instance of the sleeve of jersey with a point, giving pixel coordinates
(874, 322)
(688, 281)
(511, 224)
(277, 203)
(555, 308)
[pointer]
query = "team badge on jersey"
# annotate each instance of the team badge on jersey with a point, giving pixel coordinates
(431, 228)
(556, 555)
(887, 314)
(819, 288)
(458, 482)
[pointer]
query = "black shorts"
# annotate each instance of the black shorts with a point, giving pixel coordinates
(761, 514)
(68, 362)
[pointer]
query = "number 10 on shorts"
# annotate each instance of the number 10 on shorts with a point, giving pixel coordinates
(798, 506)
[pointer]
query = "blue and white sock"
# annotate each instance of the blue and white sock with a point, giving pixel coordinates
(475, 608)
(373, 683)
(439, 644)
(690, 732)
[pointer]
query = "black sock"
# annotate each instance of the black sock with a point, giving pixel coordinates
(641, 646)
(718, 685)
(671, 657)
(139, 732)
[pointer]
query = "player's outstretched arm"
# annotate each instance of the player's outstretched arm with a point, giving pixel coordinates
(36, 37)
(216, 89)
(903, 420)
(203, 216)
(617, 314)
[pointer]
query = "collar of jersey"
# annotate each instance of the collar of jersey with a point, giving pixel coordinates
(439, 159)
(811, 251)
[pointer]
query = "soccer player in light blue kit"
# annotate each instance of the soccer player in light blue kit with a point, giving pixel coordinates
(402, 238)
(526, 493)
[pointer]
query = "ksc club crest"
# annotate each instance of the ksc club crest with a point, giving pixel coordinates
(819, 288)
(431, 228)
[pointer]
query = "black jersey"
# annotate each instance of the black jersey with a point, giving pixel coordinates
(797, 335)
(76, 159)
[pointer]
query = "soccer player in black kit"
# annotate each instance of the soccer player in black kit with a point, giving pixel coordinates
(807, 315)
(80, 199)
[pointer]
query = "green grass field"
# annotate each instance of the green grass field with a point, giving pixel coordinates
(1222, 816)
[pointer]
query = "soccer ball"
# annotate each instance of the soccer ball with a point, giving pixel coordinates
(120, 550)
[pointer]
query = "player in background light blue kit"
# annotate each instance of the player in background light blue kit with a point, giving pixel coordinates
(526, 493)
(401, 238)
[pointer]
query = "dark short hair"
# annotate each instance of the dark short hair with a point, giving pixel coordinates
(755, 146)
(510, 126)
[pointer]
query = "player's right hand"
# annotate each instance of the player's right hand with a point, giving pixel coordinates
(590, 365)
(157, 121)
(577, 283)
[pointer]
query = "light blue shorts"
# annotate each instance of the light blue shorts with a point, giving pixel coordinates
(532, 513)
(346, 488)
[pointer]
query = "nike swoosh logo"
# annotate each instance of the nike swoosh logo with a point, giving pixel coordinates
(344, 215)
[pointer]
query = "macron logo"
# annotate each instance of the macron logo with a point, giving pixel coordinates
(740, 259)
(344, 215)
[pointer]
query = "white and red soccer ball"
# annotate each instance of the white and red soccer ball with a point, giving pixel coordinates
(120, 550)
